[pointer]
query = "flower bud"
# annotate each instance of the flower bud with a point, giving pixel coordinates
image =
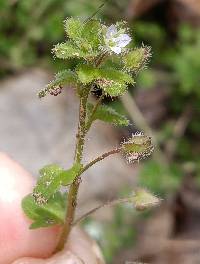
(143, 199)
(52, 90)
(137, 59)
(137, 147)
(56, 90)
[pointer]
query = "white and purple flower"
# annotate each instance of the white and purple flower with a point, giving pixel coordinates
(115, 39)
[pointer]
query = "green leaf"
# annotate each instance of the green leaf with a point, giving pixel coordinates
(113, 82)
(86, 36)
(54, 209)
(29, 206)
(88, 73)
(40, 222)
(46, 215)
(109, 115)
(85, 40)
(70, 175)
(73, 28)
(61, 78)
(116, 76)
(92, 34)
(50, 180)
(52, 177)
(68, 50)
(115, 89)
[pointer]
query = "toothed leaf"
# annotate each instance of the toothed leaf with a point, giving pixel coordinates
(50, 180)
(70, 175)
(68, 50)
(87, 74)
(115, 89)
(46, 215)
(52, 177)
(86, 36)
(109, 115)
(29, 207)
(62, 78)
(92, 34)
(73, 28)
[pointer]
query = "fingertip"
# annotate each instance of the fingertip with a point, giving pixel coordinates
(16, 239)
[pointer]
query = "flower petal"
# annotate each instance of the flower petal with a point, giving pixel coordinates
(116, 49)
(122, 40)
(112, 30)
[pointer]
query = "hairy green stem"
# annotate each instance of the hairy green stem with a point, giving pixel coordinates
(81, 127)
(74, 187)
(90, 120)
(103, 156)
(73, 191)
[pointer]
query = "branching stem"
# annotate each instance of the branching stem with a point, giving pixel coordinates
(103, 156)
(90, 120)
(74, 187)
(109, 203)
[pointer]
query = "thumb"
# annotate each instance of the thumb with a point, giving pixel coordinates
(16, 240)
(80, 249)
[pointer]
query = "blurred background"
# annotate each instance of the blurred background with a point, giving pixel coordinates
(165, 104)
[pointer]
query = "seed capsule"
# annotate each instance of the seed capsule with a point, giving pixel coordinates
(143, 199)
(137, 147)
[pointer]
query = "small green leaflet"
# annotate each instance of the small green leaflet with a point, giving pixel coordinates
(87, 37)
(68, 50)
(61, 78)
(52, 177)
(92, 34)
(49, 214)
(73, 28)
(115, 89)
(113, 82)
(70, 175)
(46, 206)
(109, 115)
(88, 73)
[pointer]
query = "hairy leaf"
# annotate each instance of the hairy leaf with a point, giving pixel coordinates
(86, 36)
(49, 214)
(61, 78)
(52, 177)
(73, 28)
(115, 89)
(109, 115)
(88, 73)
(92, 34)
(49, 182)
(68, 50)
(113, 82)
(29, 206)
(70, 175)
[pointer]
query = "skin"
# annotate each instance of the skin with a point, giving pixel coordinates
(18, 244)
